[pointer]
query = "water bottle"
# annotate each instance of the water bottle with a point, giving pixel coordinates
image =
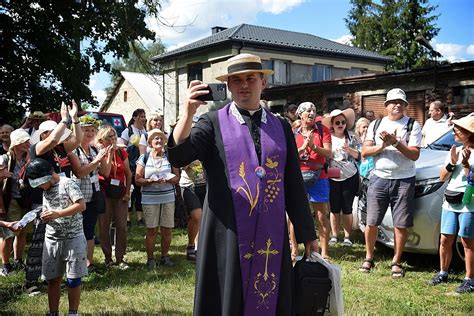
(467, 197)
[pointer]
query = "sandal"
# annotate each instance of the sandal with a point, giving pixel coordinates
(397, 274)
(327, 259)
(367, 265)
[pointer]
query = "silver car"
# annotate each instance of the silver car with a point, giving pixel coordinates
(424, 235)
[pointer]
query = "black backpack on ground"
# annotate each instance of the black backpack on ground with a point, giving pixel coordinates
(312, 286)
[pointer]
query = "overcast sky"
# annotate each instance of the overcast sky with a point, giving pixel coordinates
(193, 19)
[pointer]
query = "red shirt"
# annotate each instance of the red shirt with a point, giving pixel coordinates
(314, 161)
(118, 169)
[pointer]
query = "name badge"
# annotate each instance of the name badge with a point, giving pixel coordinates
(94, 179)
(62, 174)
(115, 182)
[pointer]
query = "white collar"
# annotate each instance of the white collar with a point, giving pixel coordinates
(235, 112)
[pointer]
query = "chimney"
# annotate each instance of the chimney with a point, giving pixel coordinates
(217, 29)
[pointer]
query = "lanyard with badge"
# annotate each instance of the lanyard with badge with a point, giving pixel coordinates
(93, 177)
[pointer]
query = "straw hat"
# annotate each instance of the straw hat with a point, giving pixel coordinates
(349, 114)
(37, 115)
(466, 123)
(244, 63)
(153, 133)
(18, 136)
(396, 94)
(45, 127)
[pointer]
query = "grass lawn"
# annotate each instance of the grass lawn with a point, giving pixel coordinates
(169, 291)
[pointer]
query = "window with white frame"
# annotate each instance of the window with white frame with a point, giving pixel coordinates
(280, 67)
(322, 72)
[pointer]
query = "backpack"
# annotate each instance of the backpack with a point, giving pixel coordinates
(409, 126)
(25, 189)
(312, 286)
(133, 152)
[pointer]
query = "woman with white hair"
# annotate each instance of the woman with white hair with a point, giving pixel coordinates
(5, 131)
(313, 141)
(157, 179)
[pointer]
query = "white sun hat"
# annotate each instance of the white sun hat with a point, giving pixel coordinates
(45, 127)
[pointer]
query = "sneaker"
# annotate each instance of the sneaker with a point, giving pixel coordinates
(123, 265)
(91, 269)
(347, 242)
(151, 264)
(190, 253)
(438, 279)
(141, 223)
(166, 261)
(108, 263)
(333, 241)
(18, 265)
(465, 287)
(32, 290)
(6, 270)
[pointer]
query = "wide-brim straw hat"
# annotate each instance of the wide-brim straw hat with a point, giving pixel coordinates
(37, 115)
(466, 123)
(349, 114)
(396, 94)
(18, 137)
(153, 133)
(244, 63)
(48, 126)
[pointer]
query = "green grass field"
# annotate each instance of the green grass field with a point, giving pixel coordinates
(169, 291)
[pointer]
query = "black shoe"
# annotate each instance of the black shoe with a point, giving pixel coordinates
(141, 223)
(6, 270)
(465, 287)
(18, 265)
(438, 279)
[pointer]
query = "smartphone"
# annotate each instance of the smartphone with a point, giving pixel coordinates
(217, 92)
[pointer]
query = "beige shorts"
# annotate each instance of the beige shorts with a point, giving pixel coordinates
(15, 213)
(159, 215)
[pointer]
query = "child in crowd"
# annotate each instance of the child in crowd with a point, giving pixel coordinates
(65, 247)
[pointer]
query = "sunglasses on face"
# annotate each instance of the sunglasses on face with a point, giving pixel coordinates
(110, 137)
(340, 123)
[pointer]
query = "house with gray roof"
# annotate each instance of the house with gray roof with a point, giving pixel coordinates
(133, 90)
(295, 58)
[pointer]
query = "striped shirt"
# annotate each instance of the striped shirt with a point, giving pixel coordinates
(156, 193)
(85, 182)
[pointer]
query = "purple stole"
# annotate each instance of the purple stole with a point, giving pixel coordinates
(259, 205)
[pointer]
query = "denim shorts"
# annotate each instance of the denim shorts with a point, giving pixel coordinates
(457, 223)
(319, 192)
(399, 194)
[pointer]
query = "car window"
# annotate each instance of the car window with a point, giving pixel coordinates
(444, 142)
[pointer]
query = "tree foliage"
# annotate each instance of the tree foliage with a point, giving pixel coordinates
(50, 48)
(390, 27)
(139, 59)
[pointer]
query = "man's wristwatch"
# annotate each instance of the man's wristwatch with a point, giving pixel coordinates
(450, 167)
(395, 144)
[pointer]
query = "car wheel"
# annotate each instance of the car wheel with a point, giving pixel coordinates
(458, 261)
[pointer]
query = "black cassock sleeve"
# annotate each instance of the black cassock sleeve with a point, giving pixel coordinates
(296, 200)
(197, 146)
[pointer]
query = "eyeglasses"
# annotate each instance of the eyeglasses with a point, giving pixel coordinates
(340, 123)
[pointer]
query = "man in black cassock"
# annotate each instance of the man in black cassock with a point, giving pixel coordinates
(240, 269)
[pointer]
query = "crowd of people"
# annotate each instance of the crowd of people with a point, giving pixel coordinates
(251, 182)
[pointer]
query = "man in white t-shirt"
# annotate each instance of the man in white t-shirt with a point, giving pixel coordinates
(436, 125)
(395, 143)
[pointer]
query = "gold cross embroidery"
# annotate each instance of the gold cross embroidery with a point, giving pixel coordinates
(267, 252)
